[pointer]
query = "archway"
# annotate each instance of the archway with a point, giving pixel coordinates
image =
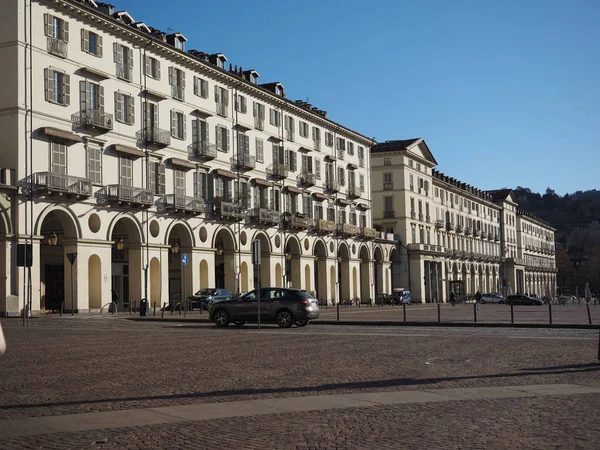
(60, 237)
(292, 263)
(179, 240)
(365, 285)
(95, 282)
(278, 275)
(332, 284)
(203, 274)
(344, 266)
(378, 271)
(307, 278)
(244, 277)
(225, 260)
(155, 280)
(395, 266)
(320, 271)
(126, 260)
(265, 259)
(354, 284)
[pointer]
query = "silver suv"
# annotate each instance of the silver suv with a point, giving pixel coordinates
(280, 305)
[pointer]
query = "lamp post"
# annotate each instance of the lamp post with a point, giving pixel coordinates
(288, 267)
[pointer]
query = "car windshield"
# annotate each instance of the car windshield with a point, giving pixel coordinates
(249, 296)
(205, 292)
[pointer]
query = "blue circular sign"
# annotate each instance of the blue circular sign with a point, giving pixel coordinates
(184, 259)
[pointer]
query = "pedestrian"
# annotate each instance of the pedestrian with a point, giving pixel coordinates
(453, 298)
(478, 299)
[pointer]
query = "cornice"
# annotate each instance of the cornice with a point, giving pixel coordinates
(450, 187)
(185, 59)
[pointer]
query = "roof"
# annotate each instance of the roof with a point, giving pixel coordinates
(500, 194)
(390, 146)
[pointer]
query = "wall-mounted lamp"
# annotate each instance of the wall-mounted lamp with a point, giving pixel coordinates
(288, 256)
(52, 239)
(120, 244)
(175, 247)
(219, 250)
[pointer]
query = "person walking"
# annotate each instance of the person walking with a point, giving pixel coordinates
(478, 299)
(453, 298)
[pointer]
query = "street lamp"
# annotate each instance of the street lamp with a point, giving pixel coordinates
(52, 239)
(120, 244)
(175, 247)
(219, 251)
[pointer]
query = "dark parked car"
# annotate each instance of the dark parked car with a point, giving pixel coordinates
(282, 306)
(203, 297)
(521, 299)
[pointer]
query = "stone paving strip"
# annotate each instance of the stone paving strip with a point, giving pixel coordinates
(16, 428)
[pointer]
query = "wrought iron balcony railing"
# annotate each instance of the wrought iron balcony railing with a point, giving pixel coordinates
(49, 183)
(58, 47)
(178, 92)
(295, 221)
(264, 215)
(243, 161)
(202, 150)
(124, 72)
(331, 186)
(367, 233)
(346, 229)
(353, 191)
(277, 171)
(93, 118)
(154, 136)
(307, 179)
(389, 213)
(225, 208)
(323, 226)
(116, 194)
(174, 204)
(439, 223)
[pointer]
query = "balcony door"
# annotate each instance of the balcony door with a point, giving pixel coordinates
(179, 183)
(150, 118)
(91, 96)
(126, 172)
(58, 158)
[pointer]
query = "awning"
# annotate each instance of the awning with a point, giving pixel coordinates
(201, 113)
(263, 182)
(363, 206)
(155, 94)
(305, 149)
(343, 202)
(352, 166)
(96, 72)
(126, 150)
(61, 134)
(331, 157)
(242, 127)
(225, 173)
(320, 196)
(293, 189)
(182, 163)
(274, 139)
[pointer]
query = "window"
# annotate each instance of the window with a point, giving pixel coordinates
(200, 87)
(289, 128)
(303, 129)
(222, 100)
(259, 150)
(362, 182)
(274, 117)
(91, 42)
(124, 108)
(150, 117)
(158, 186)
(179, 182)
(57, 87)
(387, 161)
(243, 143)
(123, 57)
(351, 148)
(388, 184)
(94, 154)
(388, 204)
(316, 134)
(361, 152)
(58, 158)
(222, 135)
(126, 171)
(151, 175)
(200, 185)
(331, 214)
(91, 98)
(341, 176)
(341, 144)
(177, 82)
(259, 116)
(152, 67)
(328, 139)
(291, 160)
(200, 132)
(419, 167)
(178, 125)
(57, 31)
(307, 164)
(240, 104)
(411, 182)
(318, 169)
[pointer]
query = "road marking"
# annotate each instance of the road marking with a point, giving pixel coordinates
(16, 428)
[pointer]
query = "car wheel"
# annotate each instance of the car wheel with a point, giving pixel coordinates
(302, 323)
(239, 323)
(482, 301)
(284, 318)
(221, 318)
(501, 302)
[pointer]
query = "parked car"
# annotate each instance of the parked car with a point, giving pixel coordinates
(280, 305)
(492, 298)
(204, 297)
(400, 297)
(520, 299)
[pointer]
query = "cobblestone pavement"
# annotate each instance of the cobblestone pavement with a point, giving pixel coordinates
(70, 365)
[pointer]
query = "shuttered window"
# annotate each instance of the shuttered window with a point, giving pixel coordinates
(179, 182)
(223, 136)
(259, 150)
(200, 87)
(200, 131)
(126, 171)
(200, 185)
(56, 28)
(274, 117)
(123, 57)
(151, 181)
(178, 125)
(124, 108)
(241, 104)
(160, 178)
(94, 154)
(91, 96)
(152, 67)
(91, 43)
(362, 182)
(57, 87)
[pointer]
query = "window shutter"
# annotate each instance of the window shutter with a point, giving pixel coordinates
(287, 159)
(118, 106)
(171, 75)
(183, 127)
(101, 98)
(157, 69)
(195, 130)
(275, 155)
(48, 85)
(47, 24)
(303, 163)
(219, 138)
(318, 169)
(85, 40)
(196, 188)
(174, 124)
(196, 88)
(116, 53)
(254, 109)
(66, 90)
(204, 88)
(247, 144)
(130, 111)
(65, 31)
(216, 94)
(225, 97)
(83, 95)
(182, 79)
(147, 65)
(129, 58)
(244, 106)
(99, 46)
(228, 139)
(204, 134)
(261, 111)
(161, 179)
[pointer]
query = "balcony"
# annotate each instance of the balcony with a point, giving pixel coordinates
(289, 135)
(341, 154)
(154, 136)
(317, 144)
(124, 72)
(259, 123)
(203, 150)
(367, 233)
(420, 217)
(323, 226)
(439, 223)
(468, 230)
(47, 184)
(331, 186)
(222, 109)
(306, 179)
(118, 195)
(178, 92)
(226, 209)
(57, 47)
(243, 161)
(179, 204)
(477, 233)
(93, 118)
(361, 162)
(490, 236)
(346, 229)
(278, 171)
(353, 191)
(296, 221)
(388, 186)
(458, 228)
(389, 213)
(449, 226)
(427, 248)
(261, 215)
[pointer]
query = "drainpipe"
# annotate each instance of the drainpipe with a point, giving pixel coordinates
(237, 152)
(28, 35)
(147, 179)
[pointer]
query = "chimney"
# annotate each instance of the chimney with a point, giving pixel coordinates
(106, 8)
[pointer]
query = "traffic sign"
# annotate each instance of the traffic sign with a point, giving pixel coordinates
(184, 259)
(255, 252)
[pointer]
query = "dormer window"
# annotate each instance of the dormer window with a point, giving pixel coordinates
(278, 90)
(220, 63)
(253, 78)
(179, 44)
(177, 40)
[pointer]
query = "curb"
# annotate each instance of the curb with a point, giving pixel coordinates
(388, 323)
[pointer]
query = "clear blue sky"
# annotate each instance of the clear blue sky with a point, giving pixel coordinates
(505, 93)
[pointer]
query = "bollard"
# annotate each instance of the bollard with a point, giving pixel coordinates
(512, 314)
(62, 305)
(130, 307)
(185, 309)
(475, 312)
(550, 312)
(439, 314)
(404, 308)
(589, 313)
(338, 311)
(154, 308)
(162, 313)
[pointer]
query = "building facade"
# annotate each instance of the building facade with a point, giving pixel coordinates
(453, 236)
(123, 147)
